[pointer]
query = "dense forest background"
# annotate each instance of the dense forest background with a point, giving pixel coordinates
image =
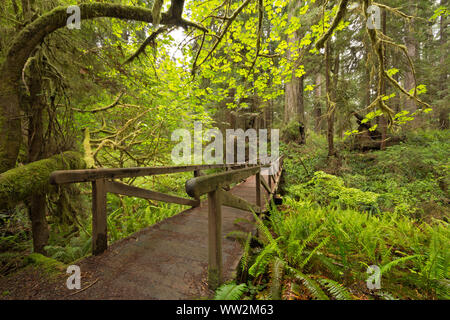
(363, 115)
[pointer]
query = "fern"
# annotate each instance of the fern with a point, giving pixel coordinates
(337, 290)
(277, 272)
(231, 291)
(386, 295)
(309, 283)
(245, 255)
(387, 267)
(267, 234)
(262, 260)
(317, 248)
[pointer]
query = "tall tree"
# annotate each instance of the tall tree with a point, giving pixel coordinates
(294, 107)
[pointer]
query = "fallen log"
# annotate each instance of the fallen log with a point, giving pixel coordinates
(18, 184)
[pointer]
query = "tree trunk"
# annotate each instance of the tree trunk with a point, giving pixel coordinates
(39, 226)
(444, 108)
(318, 104)
(411, 46)
(293, 102)
(383, 121)
(330, 107)
(37, 208)
(301, 111)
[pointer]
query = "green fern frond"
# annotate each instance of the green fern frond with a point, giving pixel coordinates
(262, 260)
(387, 267)
(386, 295)
(317, 248)
(309, 283)
(310, 238)
(230, 291)
(277, 272)
(266, 232)
(246, 254)
(337, 290)
(330, 264)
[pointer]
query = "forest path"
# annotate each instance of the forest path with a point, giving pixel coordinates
(168, 260)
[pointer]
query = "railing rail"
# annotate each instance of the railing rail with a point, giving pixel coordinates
(87, 175)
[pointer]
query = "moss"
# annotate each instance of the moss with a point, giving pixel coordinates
(48, 265)
(325, 188)
(19, 183)
(88, 156)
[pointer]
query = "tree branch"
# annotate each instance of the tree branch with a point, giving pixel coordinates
(112, 105)
(150, 40)
(339, 15)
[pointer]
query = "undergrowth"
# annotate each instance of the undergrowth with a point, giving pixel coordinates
(386, 208)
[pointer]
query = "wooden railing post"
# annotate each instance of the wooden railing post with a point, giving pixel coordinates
(214, 239)
(258, 189)
(99, 224)
(269, 177)
(197, 173)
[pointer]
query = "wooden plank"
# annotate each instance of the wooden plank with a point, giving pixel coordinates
(126, 190)
(277, 180)
(214, 239)
(265, 185)
(233, 201)
(258, 189)
(270, 182)
(99, 224)
(73, 176)
(197, 186)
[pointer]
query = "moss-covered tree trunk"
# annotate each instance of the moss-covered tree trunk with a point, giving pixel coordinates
(35, 104)
(444, 108)
(330, 106)
(18, 184)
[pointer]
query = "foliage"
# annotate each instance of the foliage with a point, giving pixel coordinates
(325, 188)
(319, 243)
(230, 291)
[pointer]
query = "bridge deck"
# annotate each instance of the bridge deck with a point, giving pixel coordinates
(168, 260)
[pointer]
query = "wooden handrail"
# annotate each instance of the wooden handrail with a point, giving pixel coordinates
(198, 186)
(87, 175)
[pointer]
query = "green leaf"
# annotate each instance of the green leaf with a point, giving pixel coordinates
(230, 291)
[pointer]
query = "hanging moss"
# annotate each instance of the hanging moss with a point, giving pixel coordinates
(19, 183)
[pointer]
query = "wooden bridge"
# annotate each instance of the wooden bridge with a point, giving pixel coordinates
(182, 257)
